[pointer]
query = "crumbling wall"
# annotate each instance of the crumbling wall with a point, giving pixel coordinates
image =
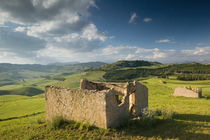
(137, 92)
(116, 110)
(118, 88)
(116, 113)
(85, 84)
(102, 104)
(188, 92)
(141, 97)
(79, 105)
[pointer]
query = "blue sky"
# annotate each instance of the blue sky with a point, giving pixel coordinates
(181, 21)
(47, 31)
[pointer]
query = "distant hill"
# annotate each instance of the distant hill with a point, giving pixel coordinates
(124, 64)
(26, 91)
(6, 67)
(129, 70)
(63, 63)
(13, 72)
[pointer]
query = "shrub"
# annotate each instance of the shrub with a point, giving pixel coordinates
(148, 114)
(148, 118)
(158, 112)
(167, 114)
(59, 78)
(152, 118)
(40, 120)
(56, 123)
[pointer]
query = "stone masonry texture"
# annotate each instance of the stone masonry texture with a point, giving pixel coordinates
(104, 105)
(188, 92)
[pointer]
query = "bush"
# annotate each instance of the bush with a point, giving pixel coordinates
(152, 118)
(56, 123)
(40, 120)
(59, 78)
(147, 114)
(149, 118)
(165, 114)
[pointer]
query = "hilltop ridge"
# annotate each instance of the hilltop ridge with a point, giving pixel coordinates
(127, 63)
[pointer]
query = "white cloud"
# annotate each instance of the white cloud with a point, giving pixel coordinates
(134, 52)
(38, 24)
(198, 51)
(143, 50)
(58, 54)
(10, 57)
(43, 31)
(163, 41)
(130, 57)
(157, 55)
(19, 42)
(20, 29)
(113, 50)
(3, 16)
(34, 11)
(147, 19)
(49, 3)
(87, 40)
(67, 38)
(115, 53)
(132, 18)
(91, 33)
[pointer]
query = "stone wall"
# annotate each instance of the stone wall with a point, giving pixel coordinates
(141, 97)
(78, 105)
(102, 104)
(116, 113)
(188, 92)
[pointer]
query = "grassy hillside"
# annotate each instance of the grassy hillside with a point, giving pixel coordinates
(188, 72)
(124, 64)
(27, 91)
(32, 87)
(12, 73)
(16, 106)
(23, 117)
(73, 81)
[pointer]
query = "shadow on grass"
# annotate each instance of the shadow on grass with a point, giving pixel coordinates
(193, 117)
(182, 126)
(26, 91)
(29, 115)
(165, 129)
(207, 97)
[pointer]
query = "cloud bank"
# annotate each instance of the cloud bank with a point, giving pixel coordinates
(36, 25)
(46, 31)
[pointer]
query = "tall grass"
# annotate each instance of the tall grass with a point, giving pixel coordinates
(191, 120)
(56, 123)
(149, 118)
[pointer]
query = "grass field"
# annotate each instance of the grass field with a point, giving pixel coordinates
(23, 117)
(146, 67)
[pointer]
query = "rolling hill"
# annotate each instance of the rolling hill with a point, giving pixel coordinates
(129, 64)
(129, 70)
(26, 91)
(11, 73)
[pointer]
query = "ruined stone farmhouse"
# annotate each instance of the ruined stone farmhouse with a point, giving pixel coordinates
(188, 92)
(101, 104)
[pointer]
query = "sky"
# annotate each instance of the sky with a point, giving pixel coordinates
(49, 31)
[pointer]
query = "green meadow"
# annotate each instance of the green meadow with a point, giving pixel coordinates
(23, 116)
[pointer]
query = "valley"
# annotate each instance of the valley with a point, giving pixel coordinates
(22, 108)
